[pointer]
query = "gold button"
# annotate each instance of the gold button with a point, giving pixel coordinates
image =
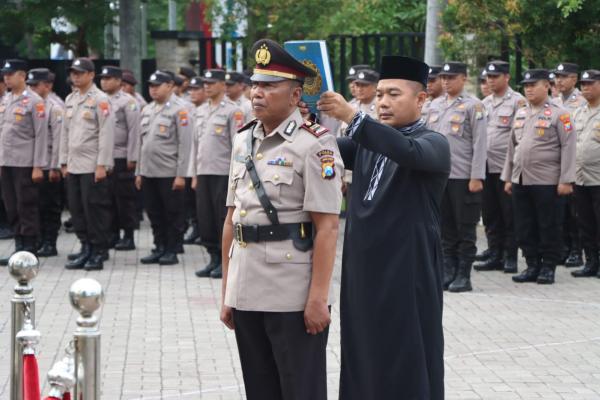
(259, 156)
(250, 186)
(276, 177)
(288, 256)
(243, 213)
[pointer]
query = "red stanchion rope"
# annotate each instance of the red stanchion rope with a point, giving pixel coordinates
(67, 396)
(31, 378)
(52, 398)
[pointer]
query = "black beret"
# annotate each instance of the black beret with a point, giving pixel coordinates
(590, 75)
(128, 77)
(196, 82)
(354, 70)
(14, 66)
(213, 75)
(234, 77)
(111, 71)
(367, 76)
(159, 77)
(566, 69)
(453, 68)
(534, 75)
(37, 75)
(274, 64)
(188, 72)
(497, 67)
(399, 67)
(82, 65)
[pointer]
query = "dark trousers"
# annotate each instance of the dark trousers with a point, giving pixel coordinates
(588, 214)
(51, 206)
(124, 197)
(280, 361)
(211, 195)
(572, 241)
(497, 215)
(538, 217)
(460, 213)
(164, 207)
(90, 205)
(21, 199)
(3, 216)
(190, 202)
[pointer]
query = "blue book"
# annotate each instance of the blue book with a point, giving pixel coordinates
(313, 53)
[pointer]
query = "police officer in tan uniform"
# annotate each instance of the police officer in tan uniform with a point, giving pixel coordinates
(86, 158)
(501, 107)
(217, 122)
(434, 90)
(461, 118)
(539, 171)
(570, 98)
(126, 153)
(235, 91)
(280, 235)
(128, 83)
(23, 155)
(50, 189)
(587, 189)
(163, 165)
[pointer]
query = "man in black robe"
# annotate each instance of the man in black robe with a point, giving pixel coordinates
(391, 298)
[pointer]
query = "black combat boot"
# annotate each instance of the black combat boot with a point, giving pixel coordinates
(591, 265)
(492, 263)
(530, 274)
(484, 255)
(79, 262)
(510, 261)
(546, 275)
(462, 282)
(19, 246)
(127, 242)
(193, 234)
(574, 259)
(96, 261)
(85, 248)
(215, 261)
(47, 248)
(217, 273)
(154, 256)
(169, 258)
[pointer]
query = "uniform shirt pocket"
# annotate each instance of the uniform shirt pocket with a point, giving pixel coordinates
(274, 179)
(284, 252)
(219, 126)
(457, 123)
(505, 115)
(163, 127)
(19, 114)
(542, 129)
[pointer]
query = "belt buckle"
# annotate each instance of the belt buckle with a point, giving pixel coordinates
(239, 235)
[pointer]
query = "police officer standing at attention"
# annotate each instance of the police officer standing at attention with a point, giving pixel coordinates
(587, 189)
(280, 236)
(126, 152)
(501, 107)
(50, 189)
(23, 155)
(166, 139)
(128, 83)
(86, 157)
(570, 98)
(539, 170)
(434, 90)
(217, 123)
(235, 91)
(483, 84)
(461, 118)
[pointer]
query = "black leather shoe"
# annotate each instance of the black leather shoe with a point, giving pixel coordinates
(574, 260)
(191, 237)
(125, 244)
(585, 272)
(6, 233)
(510, 266)
(85, 248)
(78, 263)
(529, 275)
(462, 282)
(169, 258)
(153, 257)
(546, 276)
(217, 273)
(95, 262)
(450, 267)
(492, 263)
(484, 255)
(47, 249)
(215, 261)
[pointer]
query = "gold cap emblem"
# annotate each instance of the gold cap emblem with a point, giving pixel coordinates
(263, 55)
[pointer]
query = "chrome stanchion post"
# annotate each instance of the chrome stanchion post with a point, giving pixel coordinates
(86, 297)
(23, 266)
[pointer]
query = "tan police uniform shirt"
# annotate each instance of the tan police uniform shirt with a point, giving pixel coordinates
(127, 126)
(246, 106)
(88, 134)
(572, 101)
(140, 100)
(587, 125)
(464, 123)
(275, 276)
(165, 140)
(500, 114)
(542, 146)
(57, 99)
(23, 130)
(216, 126)
(56, 115)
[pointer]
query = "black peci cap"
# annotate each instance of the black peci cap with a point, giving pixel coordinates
(406, 68)
(82, 65)
(111, 71)
(37, 75)
(453, 68)
(534, 75)
(274, 64)
(14, 66)
(497, 67)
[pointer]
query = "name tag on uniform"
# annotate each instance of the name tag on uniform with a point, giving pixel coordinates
(87, 114)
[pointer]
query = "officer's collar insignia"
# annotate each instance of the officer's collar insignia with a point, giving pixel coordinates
(314, 128)
(263, 55)
(446, 67)
(289, 129)
(281, 161)
(560, 67)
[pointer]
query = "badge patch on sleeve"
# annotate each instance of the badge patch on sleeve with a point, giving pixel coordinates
(566, 121)
(183, 118)
(40, 110)
(327, 163)
(104, 107)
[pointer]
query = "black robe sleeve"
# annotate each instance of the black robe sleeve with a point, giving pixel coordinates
(427, 152)
(347, 151)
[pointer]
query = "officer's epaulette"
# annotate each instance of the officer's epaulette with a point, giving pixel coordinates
(248, 125)
(314, 128)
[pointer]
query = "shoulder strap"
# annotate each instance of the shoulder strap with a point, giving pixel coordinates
(258, 187)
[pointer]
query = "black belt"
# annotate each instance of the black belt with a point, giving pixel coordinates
(271, 233)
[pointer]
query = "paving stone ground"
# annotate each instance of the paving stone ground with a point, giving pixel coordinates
(161, 337)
